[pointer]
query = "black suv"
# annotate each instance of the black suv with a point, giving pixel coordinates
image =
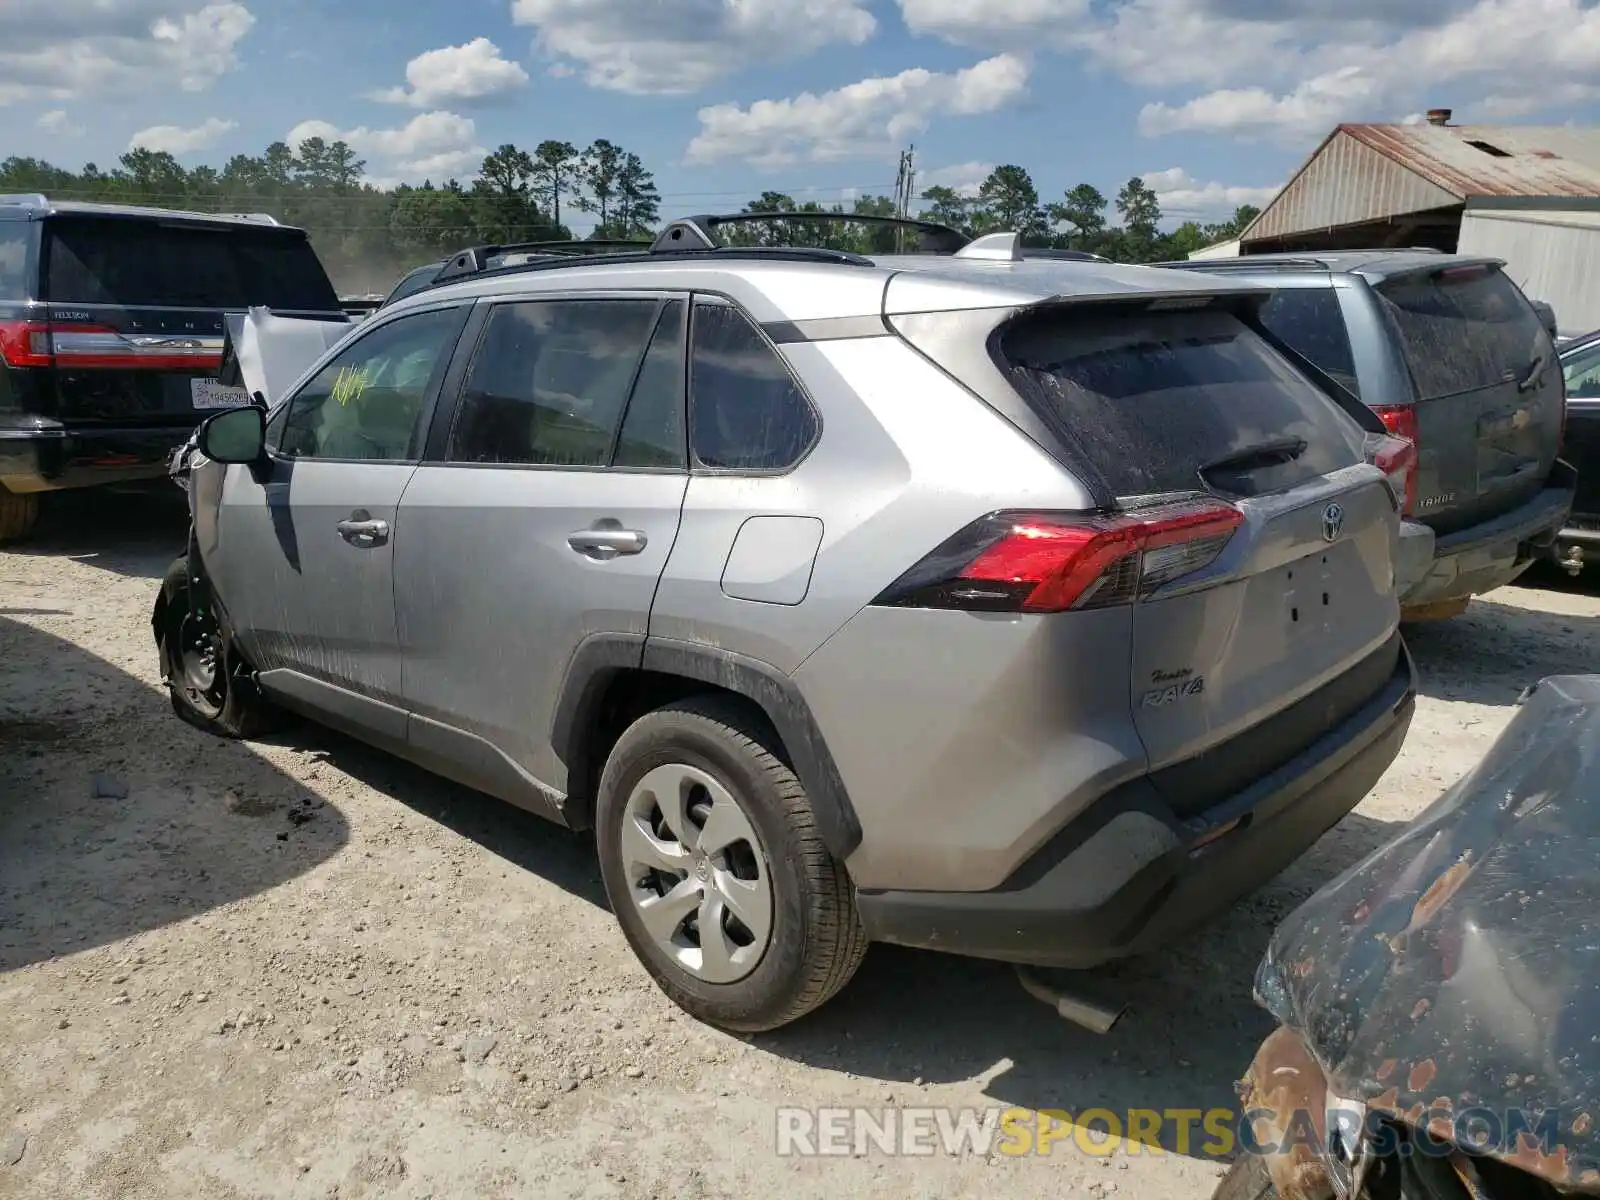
(111, 332)
(1453, 358)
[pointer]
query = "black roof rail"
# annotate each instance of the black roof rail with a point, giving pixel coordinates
(575, 245)
(698, 233)
(474, 262)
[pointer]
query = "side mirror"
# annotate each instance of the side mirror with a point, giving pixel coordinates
(236, 436)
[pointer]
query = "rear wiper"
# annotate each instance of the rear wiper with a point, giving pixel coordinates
(1273, 453)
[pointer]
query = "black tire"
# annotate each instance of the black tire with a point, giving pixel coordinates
(817, 941)
(19, 513)
(213, 696)
(1247, 1179)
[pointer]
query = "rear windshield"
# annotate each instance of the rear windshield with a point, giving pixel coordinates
(136, 262)
(14, 239)
(1177, 402)
(1310, 323)
(1462, 329)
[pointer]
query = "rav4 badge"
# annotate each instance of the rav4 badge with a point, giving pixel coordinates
(1160, 697)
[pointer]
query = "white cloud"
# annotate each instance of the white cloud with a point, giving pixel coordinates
(860, 120)
(1186, 198)
(178, 140)
(92, 49)
(472, 73)
(655, 46)
(961, 178)
(57, 123)
(432, 145)
(1311, 109)
(1291, 69)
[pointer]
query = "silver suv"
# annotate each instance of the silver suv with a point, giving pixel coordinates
(1032, 610)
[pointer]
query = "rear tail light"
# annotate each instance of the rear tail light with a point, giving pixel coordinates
(46, 344)
(1399, 466)
(25, 344)
(1052, 562)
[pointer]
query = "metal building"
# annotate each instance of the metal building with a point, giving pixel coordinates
(1527, 194)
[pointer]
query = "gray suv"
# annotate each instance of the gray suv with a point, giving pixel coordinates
(1454, 358)
(1032, 610)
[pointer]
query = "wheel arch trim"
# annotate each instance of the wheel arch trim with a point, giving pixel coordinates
(601, 658)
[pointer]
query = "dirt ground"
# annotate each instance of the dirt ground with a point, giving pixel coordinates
(306, 969)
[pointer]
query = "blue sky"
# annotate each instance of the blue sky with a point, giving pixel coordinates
(1215, 102)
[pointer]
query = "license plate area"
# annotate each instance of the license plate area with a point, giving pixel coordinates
(1310, 596)
(208, 394)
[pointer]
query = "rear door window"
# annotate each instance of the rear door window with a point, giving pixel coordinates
(146, 263)
(746, 412)
(1310, 322)
(1463, 329)
(1160, 403)
(550, 380)
(15, 237)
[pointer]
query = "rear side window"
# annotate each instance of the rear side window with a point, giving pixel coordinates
(136, 262)
(1171, 402)
(14, 240)
(1462, 329)
(1309, 321)
(747, 413)
(550, 380)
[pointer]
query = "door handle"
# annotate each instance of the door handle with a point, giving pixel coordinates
(607, 541)
(363, 532)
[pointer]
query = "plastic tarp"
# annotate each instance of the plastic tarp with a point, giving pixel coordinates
(1458, 967)
(266, 354)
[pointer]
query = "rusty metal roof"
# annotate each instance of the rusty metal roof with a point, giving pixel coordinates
(1492, 160)
(1366, 173)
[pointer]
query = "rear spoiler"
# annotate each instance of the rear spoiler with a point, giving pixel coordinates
(265, 353)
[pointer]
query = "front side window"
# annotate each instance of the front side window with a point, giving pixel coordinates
(366, 402)
(550, 380)
(746, 411)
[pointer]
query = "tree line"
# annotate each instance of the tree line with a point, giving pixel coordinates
(368, 235)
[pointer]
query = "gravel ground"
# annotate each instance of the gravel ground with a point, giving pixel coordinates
(301, 968)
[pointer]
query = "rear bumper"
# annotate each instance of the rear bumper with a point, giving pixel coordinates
(1470, 562)
(1129, 877)
(48, 460)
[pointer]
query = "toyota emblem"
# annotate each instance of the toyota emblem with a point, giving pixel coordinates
(1332, 523)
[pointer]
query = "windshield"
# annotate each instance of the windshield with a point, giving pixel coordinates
(124, 261)
(413, 282)
(1153, 400)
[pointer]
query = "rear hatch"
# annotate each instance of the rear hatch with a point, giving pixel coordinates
(132, 325)
(1276, 613)
(1489, 398)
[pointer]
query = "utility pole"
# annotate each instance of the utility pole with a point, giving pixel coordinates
(905, 182)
